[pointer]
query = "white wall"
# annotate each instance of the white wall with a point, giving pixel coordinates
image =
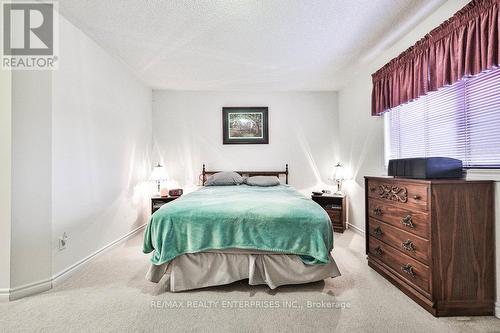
(5, 181)
(75, 153)
(362, 141)
(101, 130)
(187, 128)
(31, 177)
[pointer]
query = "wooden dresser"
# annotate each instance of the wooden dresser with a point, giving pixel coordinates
(434, 240)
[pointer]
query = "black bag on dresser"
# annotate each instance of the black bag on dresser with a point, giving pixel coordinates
(426, 168)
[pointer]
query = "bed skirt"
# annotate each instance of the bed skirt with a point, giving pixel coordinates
(206, 269)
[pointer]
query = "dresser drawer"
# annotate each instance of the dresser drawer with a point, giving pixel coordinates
(404, 266)
(410, 195)
(407, 220)
(406, 242)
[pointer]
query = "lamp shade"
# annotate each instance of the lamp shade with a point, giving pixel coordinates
(159, 173)
(338, 172)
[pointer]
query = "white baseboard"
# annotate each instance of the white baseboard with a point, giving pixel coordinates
(63, 275)
(497, 310)
(44, 285)
(4, 295)
(356, 229)
(30, 289)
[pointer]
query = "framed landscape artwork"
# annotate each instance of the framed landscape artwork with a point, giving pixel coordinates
(245, 125)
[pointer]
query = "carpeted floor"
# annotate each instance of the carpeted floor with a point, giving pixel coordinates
(111, 294)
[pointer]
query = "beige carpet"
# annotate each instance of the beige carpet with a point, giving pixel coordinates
(111, 294)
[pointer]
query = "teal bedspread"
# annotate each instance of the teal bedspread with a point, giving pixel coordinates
(277, 219)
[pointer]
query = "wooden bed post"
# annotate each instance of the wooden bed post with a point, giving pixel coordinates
(203, 176)
(286, 174)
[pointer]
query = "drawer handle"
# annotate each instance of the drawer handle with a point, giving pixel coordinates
(417, 197)
(377, 232)
(377, 251)
(408, 245)
(407, 222)
(408, 269)
(377, 211)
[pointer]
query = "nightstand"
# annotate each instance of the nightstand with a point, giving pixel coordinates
(335, 205)
(157, 202)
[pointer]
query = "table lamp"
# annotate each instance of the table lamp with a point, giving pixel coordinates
(338, 176)
(158, 175)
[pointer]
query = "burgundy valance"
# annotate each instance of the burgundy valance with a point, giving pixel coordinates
(465, 44)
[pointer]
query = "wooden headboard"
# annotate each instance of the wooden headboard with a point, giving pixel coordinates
(207, 173)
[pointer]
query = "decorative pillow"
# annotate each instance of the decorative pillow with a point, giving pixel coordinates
(263, 181)
(224, 178)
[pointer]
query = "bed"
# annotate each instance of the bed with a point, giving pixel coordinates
(221, 234)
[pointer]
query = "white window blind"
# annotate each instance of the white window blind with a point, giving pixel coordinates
(460, 121)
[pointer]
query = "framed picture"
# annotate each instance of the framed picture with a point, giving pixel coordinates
(245, 125)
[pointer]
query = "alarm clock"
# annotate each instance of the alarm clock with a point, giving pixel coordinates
(175, 192)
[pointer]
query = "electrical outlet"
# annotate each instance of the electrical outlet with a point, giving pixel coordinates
(63, 242)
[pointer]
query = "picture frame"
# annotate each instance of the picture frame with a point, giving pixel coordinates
(245, 125)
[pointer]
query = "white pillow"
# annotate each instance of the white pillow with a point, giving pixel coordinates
(224, 178)
(263, 181)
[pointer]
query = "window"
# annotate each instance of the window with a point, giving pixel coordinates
(460, 121)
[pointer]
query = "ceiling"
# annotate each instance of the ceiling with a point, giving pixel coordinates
(245, 44)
